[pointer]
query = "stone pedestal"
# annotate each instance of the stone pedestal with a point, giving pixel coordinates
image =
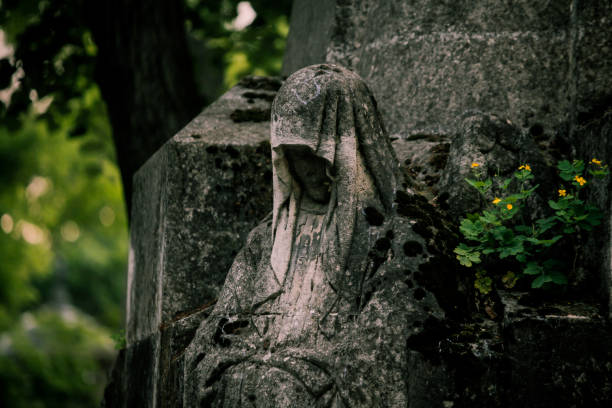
(194, 203)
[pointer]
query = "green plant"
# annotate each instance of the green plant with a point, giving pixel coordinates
(119, 339)
(500, 231)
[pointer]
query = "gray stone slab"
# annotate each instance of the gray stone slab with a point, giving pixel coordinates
(559, 354)
(429, 61)
(133, 380)
(427, 16)
(304, 48)
(593, 139)
(195, 201)
(593, 52)
(444, 74)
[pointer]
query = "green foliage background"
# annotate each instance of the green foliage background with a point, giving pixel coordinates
(63, 235)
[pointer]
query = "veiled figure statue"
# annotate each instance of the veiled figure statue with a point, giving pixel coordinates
(319, 306)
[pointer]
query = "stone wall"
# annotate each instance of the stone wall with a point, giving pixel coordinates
(543, 65)
(534, 62)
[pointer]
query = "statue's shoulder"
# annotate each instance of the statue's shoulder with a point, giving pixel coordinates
(260, 237)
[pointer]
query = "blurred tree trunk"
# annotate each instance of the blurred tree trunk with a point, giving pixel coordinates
(144, 71)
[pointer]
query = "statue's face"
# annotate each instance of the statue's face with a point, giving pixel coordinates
(309, 170)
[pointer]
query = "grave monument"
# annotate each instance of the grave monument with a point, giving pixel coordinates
(394, 321)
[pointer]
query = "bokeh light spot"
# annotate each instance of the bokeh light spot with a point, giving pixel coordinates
(107, 216)
(70, 231)
(6, 222)
(37, 187)
(32, 234)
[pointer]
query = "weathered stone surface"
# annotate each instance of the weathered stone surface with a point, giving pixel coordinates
(559, 354)
(593, 139)
(423, 158)
(134, 376)
(320, 305)
(543, 64)
(593, 49)
(498, 147)
(194, 202)
(314, 16)
(533, 62)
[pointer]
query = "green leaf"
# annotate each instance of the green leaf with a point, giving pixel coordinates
(558, 277)
(473, 183)
(506, 183)
(487, 184)
(533, 268)
(514, 249)
(471, 229)
(524, 229)
(545, 242)
(467, 255)
(489, 218)
(483, 283)
(540, 280)
(558, 205)
(565, 165)
(578, 166)
(545, 224)
(594, 217)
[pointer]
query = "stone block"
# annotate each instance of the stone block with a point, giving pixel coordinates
(559, 354)
(194, 203)
(444, 74)
(593, 139)
(593, 53)
(431, 60)
(308, 17)
(134, 376)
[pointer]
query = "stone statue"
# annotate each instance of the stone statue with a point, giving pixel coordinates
(320, 304)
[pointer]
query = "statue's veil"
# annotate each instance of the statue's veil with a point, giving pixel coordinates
(330, 110)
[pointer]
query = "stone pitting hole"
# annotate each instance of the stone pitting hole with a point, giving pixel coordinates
(412, 248)
(419, 293)
(224, 328)
(233, 152)
(250, 115)
(373, 216)
(421, 229)
(536, 130)
(258, 95)
(382, 245)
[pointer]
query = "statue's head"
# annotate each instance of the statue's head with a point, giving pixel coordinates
(329, 145)
(327, 135)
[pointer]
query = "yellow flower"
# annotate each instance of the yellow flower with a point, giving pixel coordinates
(474, 165)
(496, 201)
(580, 180)
(562, 193)
(597, 162)
(525, 167)
(509, 206)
